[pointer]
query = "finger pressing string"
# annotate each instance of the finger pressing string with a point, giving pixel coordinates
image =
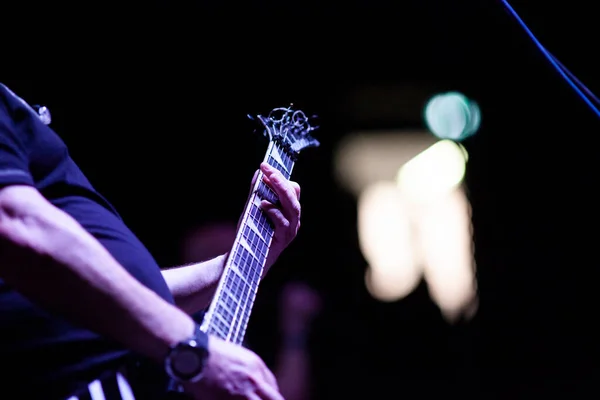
(266, 180)
(296, 187)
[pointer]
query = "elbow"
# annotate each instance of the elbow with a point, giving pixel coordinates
(23, 221)
(18, 200)
(12, 203)
(31, 223)
(14, 237)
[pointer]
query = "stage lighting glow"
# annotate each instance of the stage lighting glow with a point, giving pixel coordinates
(413, 217)
(452, 116)
(435, 171)
(363, 158)
(385, 241)
(444, 229)
(391, 285)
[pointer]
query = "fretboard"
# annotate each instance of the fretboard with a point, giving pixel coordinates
(229, 312)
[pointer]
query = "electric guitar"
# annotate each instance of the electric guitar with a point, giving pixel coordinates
(227, 317)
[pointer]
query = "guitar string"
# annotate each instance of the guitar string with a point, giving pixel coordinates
(240, 328)
(242, 303)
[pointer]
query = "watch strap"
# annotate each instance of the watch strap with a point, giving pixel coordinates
(200, 337)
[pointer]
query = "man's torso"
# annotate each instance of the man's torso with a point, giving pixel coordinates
(42, 352)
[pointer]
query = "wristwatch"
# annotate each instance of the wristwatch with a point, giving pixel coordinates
(185, 360)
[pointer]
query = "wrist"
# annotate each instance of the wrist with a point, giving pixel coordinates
(185, 360)
(174, 326)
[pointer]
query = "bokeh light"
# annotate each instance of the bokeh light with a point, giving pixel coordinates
(452, 116)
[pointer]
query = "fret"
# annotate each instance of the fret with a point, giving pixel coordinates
(218, 327)
(241, 285)
(280, 160)
(226, 302)
(260, 220)
(242, 332)
(257, 227)
(242, 316)
(238, 329)
(233, 284)
(237, 282)
(251, 267)
(248, 264)
(266, 193)
(225, 313)
(255, 240)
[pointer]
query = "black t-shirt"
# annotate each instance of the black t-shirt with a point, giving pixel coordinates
(42, 354)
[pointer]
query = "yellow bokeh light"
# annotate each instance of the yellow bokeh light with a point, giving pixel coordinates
(364, 158)
(435, 171)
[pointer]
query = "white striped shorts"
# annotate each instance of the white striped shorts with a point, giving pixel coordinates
(114, 387)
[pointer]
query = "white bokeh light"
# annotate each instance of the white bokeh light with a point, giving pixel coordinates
(415, 223)
(385, 240)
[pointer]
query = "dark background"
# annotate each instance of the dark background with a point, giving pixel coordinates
(152, 99)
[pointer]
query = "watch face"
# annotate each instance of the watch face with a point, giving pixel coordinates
(187, 362)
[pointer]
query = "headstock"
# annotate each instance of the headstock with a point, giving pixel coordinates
(289, 127)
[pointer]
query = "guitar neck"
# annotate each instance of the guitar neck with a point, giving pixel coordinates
(229, 312)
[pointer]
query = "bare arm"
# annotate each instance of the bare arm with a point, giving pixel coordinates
(193, 286)
(48, 257)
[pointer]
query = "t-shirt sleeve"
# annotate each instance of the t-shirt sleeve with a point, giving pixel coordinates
(14, 160)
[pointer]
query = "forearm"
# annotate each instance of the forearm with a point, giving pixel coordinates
(193, 286)
(48, 257)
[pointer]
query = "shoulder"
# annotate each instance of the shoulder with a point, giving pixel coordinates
(13, 106)
(8, 99)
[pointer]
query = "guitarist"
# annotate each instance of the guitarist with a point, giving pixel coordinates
(85, 311)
